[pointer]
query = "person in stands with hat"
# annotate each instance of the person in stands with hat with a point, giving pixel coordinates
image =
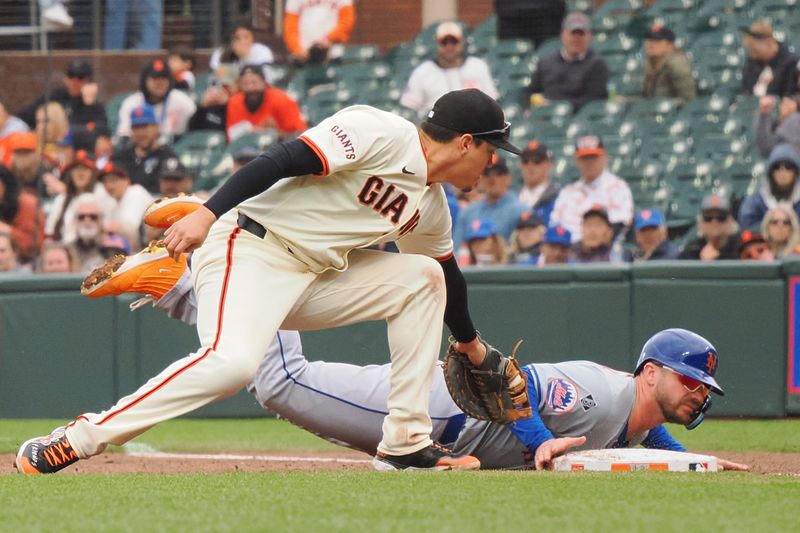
(526, 240)
(451, 69)
(780, 185)
(171, 108)
(485, 246)
(652, 239)
(174, 179)
(538, 191)
(556, 247)
(80, 177)
(574, 73)
(499, 203)
(597, 239)
(597, 186)
(717, 236)
(753, 247)
(77, 95)
(668, 71)
(770, 67)
(144, 155)
(259, 107)
(127, 205)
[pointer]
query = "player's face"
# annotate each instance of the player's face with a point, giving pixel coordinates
(676, 400)
(472, 160)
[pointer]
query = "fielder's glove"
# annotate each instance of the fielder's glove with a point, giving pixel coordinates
(496, 390)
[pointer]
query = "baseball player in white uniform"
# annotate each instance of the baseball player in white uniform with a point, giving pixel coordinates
(294, 255)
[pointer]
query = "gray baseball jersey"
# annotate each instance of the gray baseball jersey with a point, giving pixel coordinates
(575, 398)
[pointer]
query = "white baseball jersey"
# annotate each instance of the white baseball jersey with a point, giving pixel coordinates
(373, 190)
(316, 18)
(429, 81)
(607, 190)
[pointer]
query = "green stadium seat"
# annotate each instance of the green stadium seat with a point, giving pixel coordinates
(556, 112)
(359, 53)
(259, 140)
(200, 140)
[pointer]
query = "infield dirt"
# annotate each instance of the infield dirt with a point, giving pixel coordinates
(772, 463)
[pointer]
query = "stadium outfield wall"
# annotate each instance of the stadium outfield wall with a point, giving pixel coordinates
(62, 354)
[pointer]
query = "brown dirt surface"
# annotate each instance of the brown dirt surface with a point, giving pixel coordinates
(771, 463)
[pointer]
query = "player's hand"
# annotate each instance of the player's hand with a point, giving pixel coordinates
(474, 349)
(188, 233)
(553, 448)
(724, 464)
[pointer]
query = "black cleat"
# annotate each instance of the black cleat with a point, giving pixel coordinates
(45, 455)
(433, 457)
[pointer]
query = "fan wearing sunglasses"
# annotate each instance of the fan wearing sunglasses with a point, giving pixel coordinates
(716, 230)
(449, 70)
(779, 186)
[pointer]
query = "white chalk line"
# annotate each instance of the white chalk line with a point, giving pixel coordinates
(236, 457)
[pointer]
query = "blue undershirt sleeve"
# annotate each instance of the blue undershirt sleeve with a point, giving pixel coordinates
(659, 438)
(531, 431)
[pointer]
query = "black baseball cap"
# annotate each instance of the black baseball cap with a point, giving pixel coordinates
(78, 68)
(474, 112)
(660, 33)
(536, 152)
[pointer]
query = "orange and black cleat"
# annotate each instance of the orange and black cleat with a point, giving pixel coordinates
(45, 455)
(152, 272)
(164, 212)
(433, 457)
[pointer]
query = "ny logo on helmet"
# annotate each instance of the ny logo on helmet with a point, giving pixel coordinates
(711, 362)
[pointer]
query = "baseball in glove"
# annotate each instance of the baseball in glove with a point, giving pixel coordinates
(496, 390)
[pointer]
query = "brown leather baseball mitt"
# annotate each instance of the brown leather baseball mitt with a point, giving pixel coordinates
(497, 390)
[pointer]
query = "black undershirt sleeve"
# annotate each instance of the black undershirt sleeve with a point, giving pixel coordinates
(456, 313)
(293, 158)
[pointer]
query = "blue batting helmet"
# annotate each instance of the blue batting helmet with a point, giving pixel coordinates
(684, 352)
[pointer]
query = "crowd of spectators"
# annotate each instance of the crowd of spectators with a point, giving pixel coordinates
(72, 191)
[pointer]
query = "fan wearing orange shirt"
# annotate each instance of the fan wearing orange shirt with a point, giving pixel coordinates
(259, 107)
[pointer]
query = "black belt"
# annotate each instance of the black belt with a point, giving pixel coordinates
(250, 225)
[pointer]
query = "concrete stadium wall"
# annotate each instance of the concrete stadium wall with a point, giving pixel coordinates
(62, 354)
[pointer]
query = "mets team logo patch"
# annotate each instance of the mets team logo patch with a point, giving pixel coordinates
(562, 395)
